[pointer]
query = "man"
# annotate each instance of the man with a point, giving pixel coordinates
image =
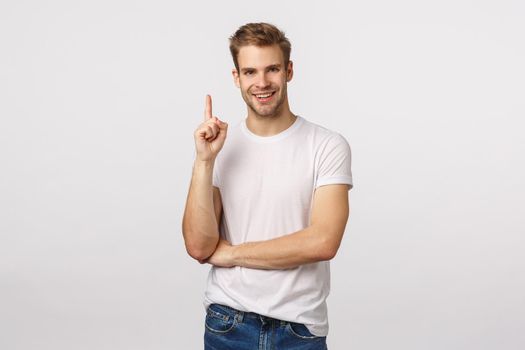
(267, 208)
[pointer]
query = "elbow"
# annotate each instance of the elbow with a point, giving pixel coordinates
(197, 254)
(199, 244)
(328, 254)
(200, 250)
(329, 249)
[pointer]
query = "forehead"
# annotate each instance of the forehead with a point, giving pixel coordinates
(259, 56)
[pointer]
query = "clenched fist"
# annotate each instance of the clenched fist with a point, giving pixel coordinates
(210, 135)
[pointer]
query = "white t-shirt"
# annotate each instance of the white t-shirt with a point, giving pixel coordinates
(267, 186)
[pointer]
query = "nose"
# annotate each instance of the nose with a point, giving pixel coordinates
(262, 81)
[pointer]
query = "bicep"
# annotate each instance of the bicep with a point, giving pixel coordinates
(330, 211)
(217, 204)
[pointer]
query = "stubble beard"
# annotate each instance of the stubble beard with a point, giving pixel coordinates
(266, 112)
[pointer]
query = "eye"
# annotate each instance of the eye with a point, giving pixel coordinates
(274, 69)
(248, 72)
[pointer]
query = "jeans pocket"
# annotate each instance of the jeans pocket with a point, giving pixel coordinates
(299, 330)
(219, 320)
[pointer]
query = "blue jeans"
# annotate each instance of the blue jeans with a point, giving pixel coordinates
(228, 328)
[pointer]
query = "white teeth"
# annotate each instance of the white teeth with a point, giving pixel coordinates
(264, 96)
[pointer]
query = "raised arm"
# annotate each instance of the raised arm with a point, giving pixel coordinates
(203, 204)
(319, 241)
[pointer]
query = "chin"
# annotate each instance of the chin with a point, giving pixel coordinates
(268, 114)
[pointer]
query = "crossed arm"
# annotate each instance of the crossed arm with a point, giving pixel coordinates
(319, 241)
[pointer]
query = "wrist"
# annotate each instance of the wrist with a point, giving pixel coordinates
(234, 255)
(206, 163)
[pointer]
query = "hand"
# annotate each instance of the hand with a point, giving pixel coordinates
(222, 256)
(210, 135)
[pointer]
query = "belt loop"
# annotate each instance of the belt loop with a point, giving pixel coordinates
(240, 316)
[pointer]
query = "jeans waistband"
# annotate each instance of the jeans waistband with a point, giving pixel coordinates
(240, 315)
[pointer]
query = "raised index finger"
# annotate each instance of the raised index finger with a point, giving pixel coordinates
(207, 110)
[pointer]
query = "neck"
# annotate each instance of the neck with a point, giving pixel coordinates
(270, 125)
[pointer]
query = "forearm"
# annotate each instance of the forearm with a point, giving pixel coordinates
(199, 224)
(289, 251)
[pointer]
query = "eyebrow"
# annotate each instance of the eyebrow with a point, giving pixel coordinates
(277, 65)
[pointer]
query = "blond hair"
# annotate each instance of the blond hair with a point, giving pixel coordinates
(259, 34)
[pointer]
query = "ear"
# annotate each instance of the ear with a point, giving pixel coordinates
(235, 75)
(289, 71)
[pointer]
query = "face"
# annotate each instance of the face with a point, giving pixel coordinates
(262, 79)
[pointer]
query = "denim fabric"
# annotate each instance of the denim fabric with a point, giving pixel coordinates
(229, 329)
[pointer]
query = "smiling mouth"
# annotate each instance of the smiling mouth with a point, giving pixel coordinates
(264, 97)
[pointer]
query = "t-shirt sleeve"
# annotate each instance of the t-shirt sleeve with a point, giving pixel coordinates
(334, 163)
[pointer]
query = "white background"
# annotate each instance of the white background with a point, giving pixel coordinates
(98, 104)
